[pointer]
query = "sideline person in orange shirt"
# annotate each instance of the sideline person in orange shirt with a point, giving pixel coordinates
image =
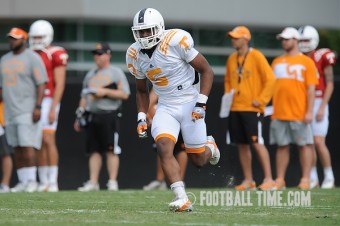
(252, 79)
(293, 107)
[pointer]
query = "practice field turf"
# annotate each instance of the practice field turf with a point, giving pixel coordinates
(136, 207)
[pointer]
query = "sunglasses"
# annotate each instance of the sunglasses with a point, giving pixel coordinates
(98, 53)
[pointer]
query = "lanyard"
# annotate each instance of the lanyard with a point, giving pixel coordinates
(240, 66)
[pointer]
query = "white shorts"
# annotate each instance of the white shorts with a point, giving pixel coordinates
(45, 110)
(170, 119)
(22, 132)
(320, 128)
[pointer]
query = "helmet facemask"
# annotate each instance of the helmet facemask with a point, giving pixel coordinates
(148, 19)
(150, 41)
(309, 39)
(40, 35)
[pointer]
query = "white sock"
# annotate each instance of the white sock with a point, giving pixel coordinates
(31, 173)
(43, 174)
(53, 174)
(328, 173)
(21, 176)
(178, 189)
(212, 149)
(314, 174)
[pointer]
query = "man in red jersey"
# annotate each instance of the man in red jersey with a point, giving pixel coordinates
(55, 60)
(324, 60)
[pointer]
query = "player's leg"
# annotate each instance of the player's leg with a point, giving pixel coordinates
(280, 135)
(29, 141)
(306, 159)
(253, 122)
(109, 140)
(42, 167)
(320, 129)
(201, 148)
(95, 156)
(325, 159)
(7, 164)
(238, 135)
(181, 155)
(112, 168)
(165, 129)
(303, 137)
(48, 156)
(314, 179)
(159, 182)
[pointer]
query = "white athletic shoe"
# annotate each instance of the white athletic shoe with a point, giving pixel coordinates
(216, 156)
(31, 186)
(4, 188)
(327, 184)
(155, 185)
(53, 188)
(112, 185)
(314, 184)
(180, 205)
(42, 188)
(19, 187)
(88, 186)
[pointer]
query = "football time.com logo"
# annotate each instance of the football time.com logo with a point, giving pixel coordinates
(230, 198)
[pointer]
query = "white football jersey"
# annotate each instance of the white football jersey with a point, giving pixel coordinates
(168, 68)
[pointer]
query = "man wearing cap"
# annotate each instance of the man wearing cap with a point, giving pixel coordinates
(293, 107)
(104, 88)
(22, 82)
(249, 75)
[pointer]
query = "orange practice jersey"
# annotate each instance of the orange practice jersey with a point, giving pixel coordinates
(294, 74)
(256, 82)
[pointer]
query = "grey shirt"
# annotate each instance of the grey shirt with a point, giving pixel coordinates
(109, 77)
(20, 74)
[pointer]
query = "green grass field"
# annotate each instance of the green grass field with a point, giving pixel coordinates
(136, 207)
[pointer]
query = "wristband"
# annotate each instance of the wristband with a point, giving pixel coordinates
(141, 116)
(38, 106)
(202, 98)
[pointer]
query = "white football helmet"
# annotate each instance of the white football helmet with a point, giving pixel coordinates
(148, 18)
(309, 39)
(43, 29)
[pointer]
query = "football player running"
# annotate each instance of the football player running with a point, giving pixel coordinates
(324, 60)
(169, 60)
(55, 60)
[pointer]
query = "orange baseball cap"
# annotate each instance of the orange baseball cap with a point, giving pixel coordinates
(17, 33)
(240, 32)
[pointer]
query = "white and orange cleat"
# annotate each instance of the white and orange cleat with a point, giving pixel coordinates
(216, 153)
(180, 205)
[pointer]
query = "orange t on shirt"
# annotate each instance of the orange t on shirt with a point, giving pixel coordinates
(294, 74)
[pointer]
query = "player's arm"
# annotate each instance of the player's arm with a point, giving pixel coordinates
(39, 98)
(59, 80)
(201, 65)
(153, 100)
(118, 93)
(79, 112)
(310, 103)
(329, 79)
(142, 101)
